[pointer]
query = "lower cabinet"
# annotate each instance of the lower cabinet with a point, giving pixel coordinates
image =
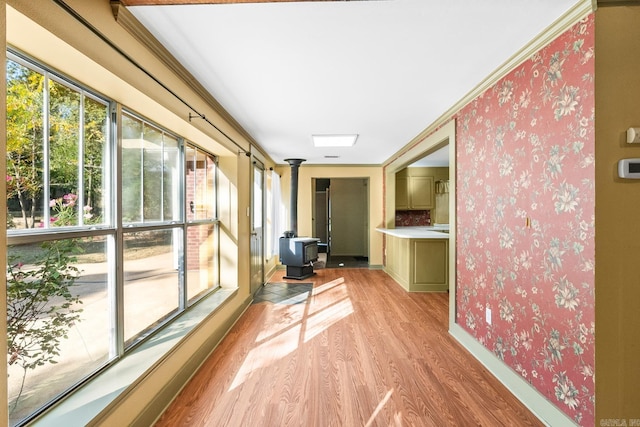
(418, 265)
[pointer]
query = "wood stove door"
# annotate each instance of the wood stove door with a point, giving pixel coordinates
(257, 227)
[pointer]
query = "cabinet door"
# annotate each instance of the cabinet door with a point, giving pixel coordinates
(421, 192)
(430, 263)
(402, 193)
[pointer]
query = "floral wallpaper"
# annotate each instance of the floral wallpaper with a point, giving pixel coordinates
(525, 216)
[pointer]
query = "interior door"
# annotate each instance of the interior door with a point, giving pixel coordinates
(349, 217)
(327, 213)
(257, 227)
(320, 217)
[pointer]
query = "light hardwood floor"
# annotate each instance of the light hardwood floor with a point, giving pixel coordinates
(359, 351)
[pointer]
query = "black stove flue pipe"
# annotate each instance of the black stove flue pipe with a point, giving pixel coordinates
(295, 165)
(298, 254)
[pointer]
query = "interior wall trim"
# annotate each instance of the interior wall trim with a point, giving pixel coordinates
(539, 405)
(569, 18)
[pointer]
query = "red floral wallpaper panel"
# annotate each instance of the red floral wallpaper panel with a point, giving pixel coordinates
(525, 220)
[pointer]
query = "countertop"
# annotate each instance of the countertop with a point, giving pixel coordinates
(430, 232)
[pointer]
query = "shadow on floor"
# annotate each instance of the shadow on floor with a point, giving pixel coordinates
(347, 261)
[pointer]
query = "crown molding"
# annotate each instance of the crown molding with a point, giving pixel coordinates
(569, 18)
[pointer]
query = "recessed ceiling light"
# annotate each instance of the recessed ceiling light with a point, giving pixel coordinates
(334, 140)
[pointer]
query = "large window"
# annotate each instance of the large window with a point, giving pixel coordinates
(58, 299)
(151, 210)
(93, 269)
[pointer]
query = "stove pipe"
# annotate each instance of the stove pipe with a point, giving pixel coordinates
(293, 223)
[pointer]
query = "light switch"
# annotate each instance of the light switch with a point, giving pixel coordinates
(633, 135)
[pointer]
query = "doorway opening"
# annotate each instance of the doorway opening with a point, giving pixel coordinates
(341, 221)
(444, 136)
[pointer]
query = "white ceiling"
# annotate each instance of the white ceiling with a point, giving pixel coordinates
(384, 69)
(437, 158)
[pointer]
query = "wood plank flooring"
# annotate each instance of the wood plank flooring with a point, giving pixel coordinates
(359, 351)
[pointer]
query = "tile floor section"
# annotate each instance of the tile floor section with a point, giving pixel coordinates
(284, 293)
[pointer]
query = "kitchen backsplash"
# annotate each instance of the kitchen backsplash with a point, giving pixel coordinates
(413, 218)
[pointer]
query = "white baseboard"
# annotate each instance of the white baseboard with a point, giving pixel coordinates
(539, 405)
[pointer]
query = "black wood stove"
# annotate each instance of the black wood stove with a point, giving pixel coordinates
(297, 253)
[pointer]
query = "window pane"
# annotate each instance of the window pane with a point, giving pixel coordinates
(64, 137)
(25, 129)
(209, 197)
(191, 178)
(58, 318)
(132, 145)
(202, 259)
(152, 173)
(200, 181)
(171, 179)
(95, 211)
(151, 279)
(29, 178)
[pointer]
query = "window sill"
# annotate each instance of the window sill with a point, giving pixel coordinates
(81, 406)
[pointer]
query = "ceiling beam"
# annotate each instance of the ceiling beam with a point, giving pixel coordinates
(179, 2)
(184, 2)
(618, 3)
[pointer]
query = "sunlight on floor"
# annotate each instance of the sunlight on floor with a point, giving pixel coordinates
(326, 286)
(383, 402)
(267, 353)
(322, 320)
(294, 324)
(282, 318)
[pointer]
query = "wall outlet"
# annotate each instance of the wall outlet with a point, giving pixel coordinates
(487, 315)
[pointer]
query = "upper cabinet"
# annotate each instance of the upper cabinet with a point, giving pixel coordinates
(414, 189)
(421, 192)
(402, 192)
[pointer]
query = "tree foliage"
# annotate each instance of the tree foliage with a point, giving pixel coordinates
(75, 130)
(25, 129)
